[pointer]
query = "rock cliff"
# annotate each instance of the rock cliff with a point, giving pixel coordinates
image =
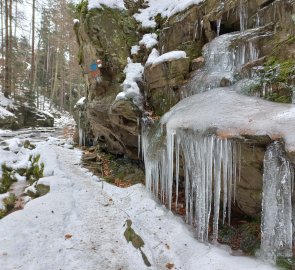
(245, 45)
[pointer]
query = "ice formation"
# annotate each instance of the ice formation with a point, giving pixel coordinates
(278, 182)
(194, 147)
(224, 56)
(210, 164)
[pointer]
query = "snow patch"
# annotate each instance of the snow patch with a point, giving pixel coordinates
(166, 8)
(4, 113)
(115, 4)
(2, 198)
(135, 49)
(166, 57)
(152, 57)
(149, 40)
(134, 73)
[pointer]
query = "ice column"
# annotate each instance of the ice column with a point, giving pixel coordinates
(276, 221)
(243, 15)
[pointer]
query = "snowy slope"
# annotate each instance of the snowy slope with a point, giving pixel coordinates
(79, 225)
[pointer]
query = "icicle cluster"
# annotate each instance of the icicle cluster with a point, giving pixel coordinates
(278, 181)
(210, 167)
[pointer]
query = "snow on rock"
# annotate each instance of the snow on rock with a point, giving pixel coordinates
(115, 4)
(5, 102)
(81, 101)
(233, 115)
(134, 49)
(49, 159)
(4, 113)
(19, 177)
(134, 73)
(50, 181)
(152, 57)
(61, 118)
(169, 56)
(31, 189)
(149, 40)
(14, 144)
(166, 8)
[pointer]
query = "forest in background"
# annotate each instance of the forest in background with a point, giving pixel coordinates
(41, 61)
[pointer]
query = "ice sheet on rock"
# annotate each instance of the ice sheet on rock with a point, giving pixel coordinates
(233, 114)
(224, 56)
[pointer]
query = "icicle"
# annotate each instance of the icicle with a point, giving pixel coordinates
(177, 171)
(202, 26)
(230, 180)
(276, 237)
(217, 188)
(80, 131)
(139, 145)
(218, 23)
(234, 171)
(170, 162)
(243, 15)
(225, 178)
(257, 19)
(196, 29)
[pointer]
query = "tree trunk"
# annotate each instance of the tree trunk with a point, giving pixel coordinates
(2, 41)
(33, 45)
(10, 49)
(7, 88)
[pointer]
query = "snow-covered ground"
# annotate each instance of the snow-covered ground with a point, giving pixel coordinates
(80, 225)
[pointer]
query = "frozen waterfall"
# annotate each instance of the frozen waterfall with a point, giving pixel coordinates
(210, 166)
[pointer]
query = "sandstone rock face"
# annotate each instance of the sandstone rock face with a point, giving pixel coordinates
(32, 117)
(26, 116)
(249, 186)
(108, 35)
(163, 83)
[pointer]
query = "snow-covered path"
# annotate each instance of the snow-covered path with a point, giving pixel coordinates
(79, 225)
